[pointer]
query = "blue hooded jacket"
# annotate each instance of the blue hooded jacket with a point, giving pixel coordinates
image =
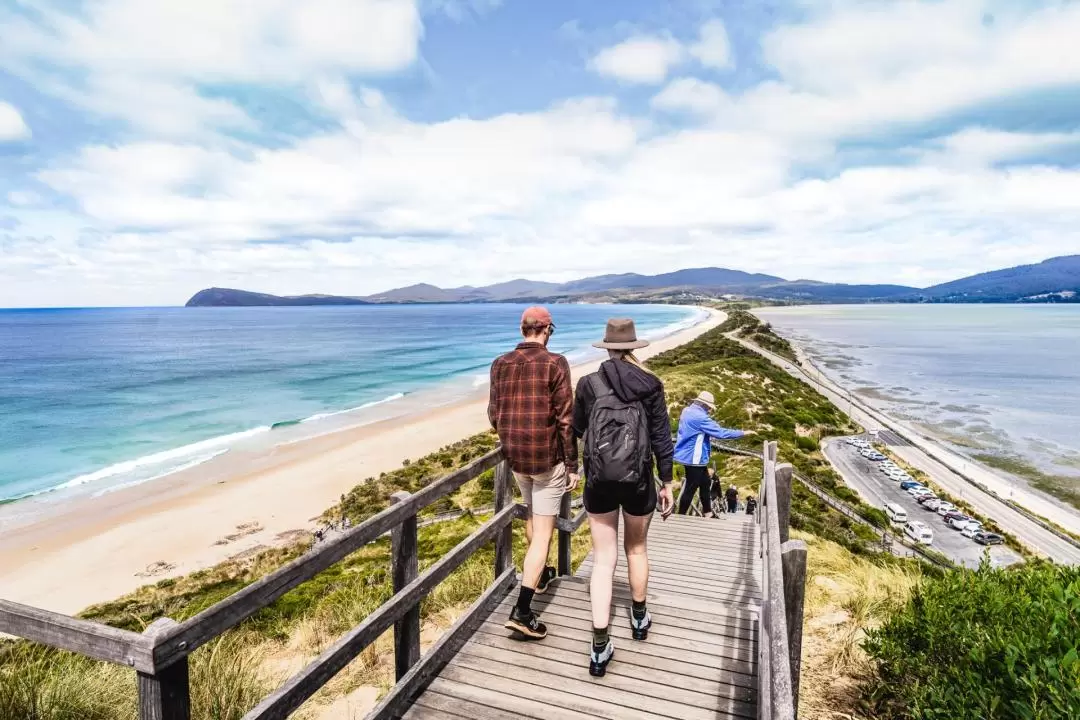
(695, 429)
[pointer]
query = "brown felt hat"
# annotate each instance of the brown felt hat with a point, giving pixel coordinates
(620, 335)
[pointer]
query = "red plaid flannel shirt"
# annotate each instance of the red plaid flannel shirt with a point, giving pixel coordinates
(531, 407)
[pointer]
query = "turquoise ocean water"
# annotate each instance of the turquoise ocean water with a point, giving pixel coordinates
(97, 399)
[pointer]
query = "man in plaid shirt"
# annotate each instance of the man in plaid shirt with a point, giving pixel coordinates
(531, 408)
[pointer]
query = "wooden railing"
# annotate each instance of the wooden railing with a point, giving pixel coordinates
(159, 655)
(783, 590)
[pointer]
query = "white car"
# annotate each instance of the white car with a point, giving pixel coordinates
(919, 532)
(971, 528)
(945, 508)
(932, 504)
(962, 525)
(917, 492)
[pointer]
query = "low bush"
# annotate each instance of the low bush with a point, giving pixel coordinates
(990, 644)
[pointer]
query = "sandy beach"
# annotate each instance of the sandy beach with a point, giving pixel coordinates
(97, 549)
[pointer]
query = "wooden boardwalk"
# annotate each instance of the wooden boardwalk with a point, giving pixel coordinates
(699, 662)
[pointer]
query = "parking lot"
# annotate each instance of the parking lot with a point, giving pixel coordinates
(876, 489)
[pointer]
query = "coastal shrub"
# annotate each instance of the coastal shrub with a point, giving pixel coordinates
(991, 643)
(808, 444)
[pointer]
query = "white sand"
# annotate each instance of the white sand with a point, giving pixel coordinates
(98, 549)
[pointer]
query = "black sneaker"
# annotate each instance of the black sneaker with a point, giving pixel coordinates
(640, 628)
(527, 623)
(598, 661)
(546, 577)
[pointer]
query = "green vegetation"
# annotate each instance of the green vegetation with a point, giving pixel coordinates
(1062, 487)
(991, 644)
(756, 396)
(747, 326)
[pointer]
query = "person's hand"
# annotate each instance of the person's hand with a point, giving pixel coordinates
(572, 481)
(667, 501)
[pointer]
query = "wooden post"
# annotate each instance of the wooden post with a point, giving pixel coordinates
(564, 537)
(405, 570)
(793, 555)
(783, 499)
(165, 695)
(504, 541)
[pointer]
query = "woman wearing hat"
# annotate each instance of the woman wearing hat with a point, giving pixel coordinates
(692, 448)
(622, 389)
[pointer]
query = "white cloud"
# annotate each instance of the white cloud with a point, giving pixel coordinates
(690, 95)
(639, 60)
(145, 62)
(713, 49)
(21, 198)
(12, 125)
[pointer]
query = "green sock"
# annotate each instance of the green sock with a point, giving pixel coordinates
(600, 637)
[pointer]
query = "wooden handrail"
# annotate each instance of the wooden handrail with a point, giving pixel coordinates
(308, 681)
(192, 633)
(94, 640)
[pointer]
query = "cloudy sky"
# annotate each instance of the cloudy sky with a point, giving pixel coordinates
(149, 149)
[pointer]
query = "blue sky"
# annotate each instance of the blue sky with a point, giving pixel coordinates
(148, 150)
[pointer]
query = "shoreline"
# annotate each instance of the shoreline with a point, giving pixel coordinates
(1002, 489)
(96, 549)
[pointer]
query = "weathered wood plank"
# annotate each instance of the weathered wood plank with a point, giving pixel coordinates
(783, 499)
(437, 705)
(666, 626)
(91, 639)
(660, 597)
(665, 571)
(404, 569)
(779, 674)
(582, 696)
(634, 665)
(722, 622)
(307, 682)
(524, 707)
(228, 613)
(504, 541)
(167, 695)
(697, 704)
(739, 655)
(444, 649)
(793, 556)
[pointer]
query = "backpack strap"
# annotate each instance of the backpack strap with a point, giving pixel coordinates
(599, 385)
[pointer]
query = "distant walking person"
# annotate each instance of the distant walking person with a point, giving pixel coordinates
(531, 408)
(621, 412)
(732, 496)
(692, 450)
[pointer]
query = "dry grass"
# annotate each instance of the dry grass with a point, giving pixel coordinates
(845, 595)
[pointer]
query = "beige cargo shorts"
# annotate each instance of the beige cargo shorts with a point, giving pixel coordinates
(542, 493)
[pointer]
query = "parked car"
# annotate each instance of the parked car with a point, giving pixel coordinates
(877, 457)
(957, 521)
(988, 538)
(972, 529)
(945, 507)
(948, 517)
(919, 532)
(896, 513)
(910, 484)
(930, 503)
(918, 492)
(928, 497)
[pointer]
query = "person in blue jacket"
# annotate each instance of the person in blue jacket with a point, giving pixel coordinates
(692, 448)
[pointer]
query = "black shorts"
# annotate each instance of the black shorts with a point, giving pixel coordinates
(609, 497)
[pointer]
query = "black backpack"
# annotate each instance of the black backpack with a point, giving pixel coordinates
(617, 440)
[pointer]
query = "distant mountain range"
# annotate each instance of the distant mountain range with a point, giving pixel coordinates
(1055, 280)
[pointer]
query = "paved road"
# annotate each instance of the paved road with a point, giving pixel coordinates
(1039, 539)
(877, 489)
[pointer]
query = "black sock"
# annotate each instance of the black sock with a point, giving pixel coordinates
(600, 638)
(638, 609)
(524, 603)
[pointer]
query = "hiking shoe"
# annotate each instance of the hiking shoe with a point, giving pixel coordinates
(546, 577)
(598, 661)
(640, 628)
(527, 623)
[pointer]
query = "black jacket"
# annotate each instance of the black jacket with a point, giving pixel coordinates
(630, 383)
